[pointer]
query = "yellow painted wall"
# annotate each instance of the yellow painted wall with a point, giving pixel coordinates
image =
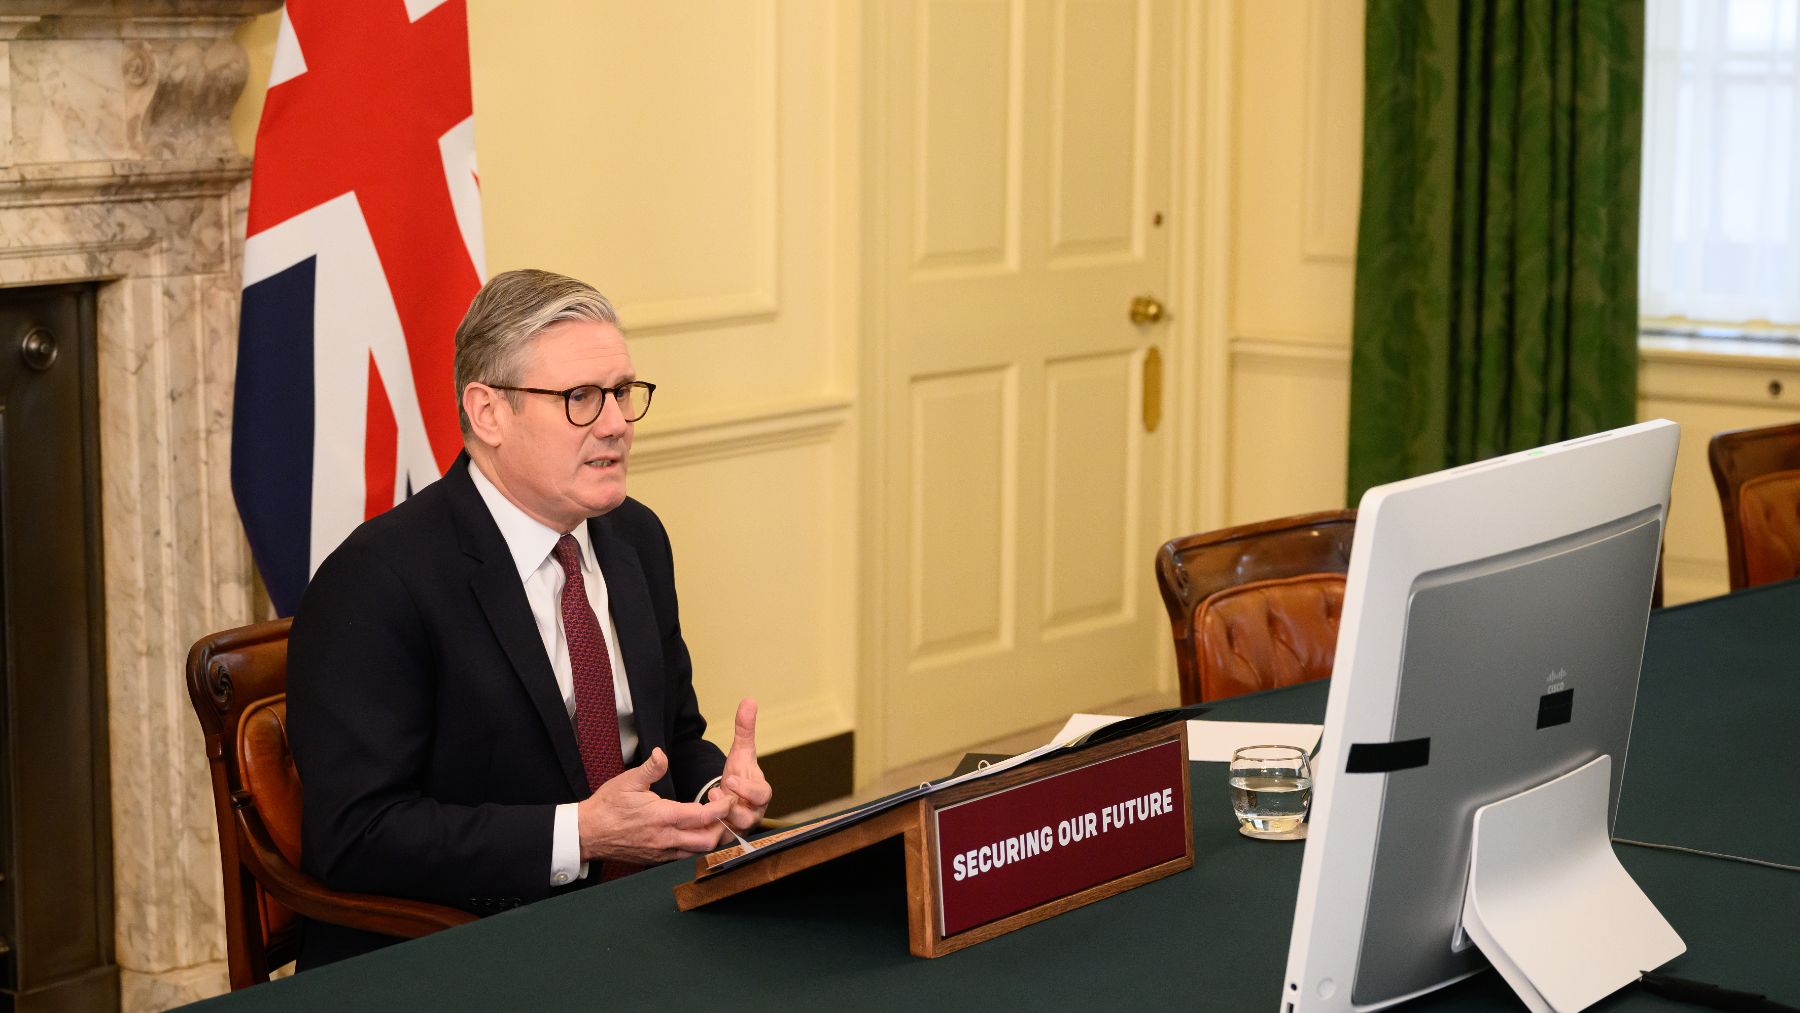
(696, 162)
(257, 36)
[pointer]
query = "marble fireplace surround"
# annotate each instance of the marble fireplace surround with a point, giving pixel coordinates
(117, 168)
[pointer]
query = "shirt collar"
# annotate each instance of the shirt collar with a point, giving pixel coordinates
(529, 540)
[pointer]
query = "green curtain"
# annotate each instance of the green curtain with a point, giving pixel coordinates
(1496, 265)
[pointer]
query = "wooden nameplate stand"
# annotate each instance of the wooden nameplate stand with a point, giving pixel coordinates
(916, 821)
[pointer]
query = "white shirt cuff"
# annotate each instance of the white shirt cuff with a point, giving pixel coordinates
(566, 865)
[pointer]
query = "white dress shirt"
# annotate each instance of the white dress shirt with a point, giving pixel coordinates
(530, 543)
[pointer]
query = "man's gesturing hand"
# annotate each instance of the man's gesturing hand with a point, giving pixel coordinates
(625, 819)
(743, 787)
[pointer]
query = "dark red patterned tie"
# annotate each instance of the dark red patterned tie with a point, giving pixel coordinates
(596, 715)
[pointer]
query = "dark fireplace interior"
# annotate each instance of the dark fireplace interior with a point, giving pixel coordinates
(56, 896)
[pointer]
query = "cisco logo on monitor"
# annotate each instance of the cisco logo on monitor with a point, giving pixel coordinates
(1557, 705)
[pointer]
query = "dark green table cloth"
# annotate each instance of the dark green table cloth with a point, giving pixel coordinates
(1709, 767)
(1714, 763)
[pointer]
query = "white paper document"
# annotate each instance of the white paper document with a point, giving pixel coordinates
(1212, 741)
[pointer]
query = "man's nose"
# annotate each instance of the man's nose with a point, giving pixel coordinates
(611, 420)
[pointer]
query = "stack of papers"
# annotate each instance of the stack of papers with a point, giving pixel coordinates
(1211, 741)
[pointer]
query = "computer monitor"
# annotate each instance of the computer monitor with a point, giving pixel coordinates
(1492, 634)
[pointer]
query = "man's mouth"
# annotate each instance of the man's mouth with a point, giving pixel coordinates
(602, 462)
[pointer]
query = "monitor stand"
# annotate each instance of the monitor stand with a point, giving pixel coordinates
(1548, 902)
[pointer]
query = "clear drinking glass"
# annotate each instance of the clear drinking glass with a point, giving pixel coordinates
(1271, 791)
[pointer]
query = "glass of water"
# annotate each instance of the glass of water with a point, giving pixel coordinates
(1271, 791)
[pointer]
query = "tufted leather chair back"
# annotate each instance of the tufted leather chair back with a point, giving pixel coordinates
(1769, 527)
(1757, 472)
(273, 783)
(1256, 606)
(237, 681)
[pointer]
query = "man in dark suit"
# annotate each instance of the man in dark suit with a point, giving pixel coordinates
(489, 698)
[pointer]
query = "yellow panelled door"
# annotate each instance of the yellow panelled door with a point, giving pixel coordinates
(1019, 208)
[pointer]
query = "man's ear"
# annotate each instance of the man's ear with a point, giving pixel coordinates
(488, 412)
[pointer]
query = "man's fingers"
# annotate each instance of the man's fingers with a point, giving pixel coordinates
(744, 735)
(693, 842)
(725, 796)
(716, 807)
(645, 775)
(756, 792)
(692, 815)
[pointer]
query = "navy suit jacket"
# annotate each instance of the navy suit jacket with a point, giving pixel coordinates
(426, 722)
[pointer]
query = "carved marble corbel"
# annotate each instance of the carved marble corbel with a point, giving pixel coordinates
(180, 93)
(103, 96)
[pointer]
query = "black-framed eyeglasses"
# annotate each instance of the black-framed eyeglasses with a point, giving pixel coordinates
(583, 404)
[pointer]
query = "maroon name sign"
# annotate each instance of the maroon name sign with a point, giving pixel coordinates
(1029, 845)
(990, 855)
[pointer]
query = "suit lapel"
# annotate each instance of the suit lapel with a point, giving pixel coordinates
(495, 581)
(640, 646)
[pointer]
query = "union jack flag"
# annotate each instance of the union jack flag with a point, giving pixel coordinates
(363, 251)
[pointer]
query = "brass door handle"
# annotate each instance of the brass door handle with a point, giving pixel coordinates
(1145, 309)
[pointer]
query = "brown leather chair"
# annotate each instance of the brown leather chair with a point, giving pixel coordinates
(1256, 606)
(1758, 475)
(238, 681)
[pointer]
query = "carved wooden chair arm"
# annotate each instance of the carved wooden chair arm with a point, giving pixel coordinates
(391, 916)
